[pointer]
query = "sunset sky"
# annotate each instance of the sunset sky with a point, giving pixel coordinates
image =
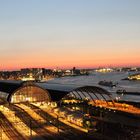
(67, 33)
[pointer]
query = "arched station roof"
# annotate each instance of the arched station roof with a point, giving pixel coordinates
(55, 92)
(19, 91)
(59, 91)
(29, 92)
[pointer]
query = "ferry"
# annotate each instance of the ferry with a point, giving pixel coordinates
(107, 83)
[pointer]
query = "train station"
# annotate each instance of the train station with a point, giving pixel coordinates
(18, 91)
(83, 108)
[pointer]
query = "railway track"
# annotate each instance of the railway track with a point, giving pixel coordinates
(69, 131)
(35, 125)
(9, 129)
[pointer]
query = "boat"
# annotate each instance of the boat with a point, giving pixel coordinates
(107, 83)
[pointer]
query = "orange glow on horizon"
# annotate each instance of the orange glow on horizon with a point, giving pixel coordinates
(68, 55)
(65, 66)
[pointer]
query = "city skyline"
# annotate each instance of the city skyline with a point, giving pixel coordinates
(84, 34)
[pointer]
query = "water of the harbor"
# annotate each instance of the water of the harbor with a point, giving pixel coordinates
(94, 77)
